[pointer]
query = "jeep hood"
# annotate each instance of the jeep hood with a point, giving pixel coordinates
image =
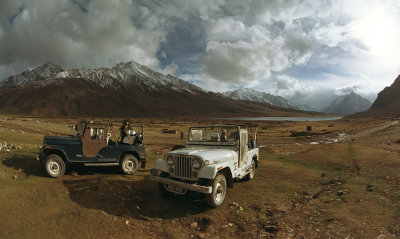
(60, 140)
(212, 155)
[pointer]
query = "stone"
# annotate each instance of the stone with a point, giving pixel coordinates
(194, 225)
(270, 228)
(127, 222)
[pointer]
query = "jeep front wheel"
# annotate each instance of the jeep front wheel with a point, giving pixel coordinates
(55, 166)
(217, 196)
(129, 164)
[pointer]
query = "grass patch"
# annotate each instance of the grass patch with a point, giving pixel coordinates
(16, 137)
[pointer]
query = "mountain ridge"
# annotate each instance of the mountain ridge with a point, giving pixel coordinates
(387, 104)
(260, 97)
(126, 89)
(348, 104)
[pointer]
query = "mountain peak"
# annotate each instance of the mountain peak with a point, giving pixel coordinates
(48, 70)
(260, 97)
(348, 104)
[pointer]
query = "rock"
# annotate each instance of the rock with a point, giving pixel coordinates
(270, 228)
(370, 188)
(194, 225)
(241, 208)
(235, 204)
(127, 222)
(14, 177)
(128, 187)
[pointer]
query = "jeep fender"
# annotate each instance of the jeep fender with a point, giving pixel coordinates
(210, 171)
(161, 165)
(59, 152)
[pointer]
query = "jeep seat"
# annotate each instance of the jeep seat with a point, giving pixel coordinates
(215, 137)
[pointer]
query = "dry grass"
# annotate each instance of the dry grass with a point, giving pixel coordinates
(300, 190)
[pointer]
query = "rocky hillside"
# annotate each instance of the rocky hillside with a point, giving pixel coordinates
(260, 97)
(388, 101)
(348, 104)
(127, 89)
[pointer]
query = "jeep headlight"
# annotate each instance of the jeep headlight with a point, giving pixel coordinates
(197, 163)
(170, 160)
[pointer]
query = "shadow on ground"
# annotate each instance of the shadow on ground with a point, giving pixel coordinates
(26, 163)
(138, 199)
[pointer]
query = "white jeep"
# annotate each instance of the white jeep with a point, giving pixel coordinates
(213, 158)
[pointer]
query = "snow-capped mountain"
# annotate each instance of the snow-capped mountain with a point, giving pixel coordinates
(130, 73)
(126, 89)
(348, 104)
(260, 97)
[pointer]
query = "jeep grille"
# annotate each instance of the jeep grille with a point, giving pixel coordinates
(183, 166)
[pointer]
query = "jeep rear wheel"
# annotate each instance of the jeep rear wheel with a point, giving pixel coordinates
(129, 164)
(217, 196)
(54, 165)
(250, 175)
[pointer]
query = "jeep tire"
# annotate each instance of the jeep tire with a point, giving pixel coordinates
(129, 164)
(54, 165)
(250, 175)
(164, 192)
(217, 196)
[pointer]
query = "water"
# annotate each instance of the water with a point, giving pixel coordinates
(285, 118)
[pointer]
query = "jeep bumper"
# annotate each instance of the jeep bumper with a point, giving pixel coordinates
(183, 185)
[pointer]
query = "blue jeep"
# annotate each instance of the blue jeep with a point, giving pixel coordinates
(92, 147)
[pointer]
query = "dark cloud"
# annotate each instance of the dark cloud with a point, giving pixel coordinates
(280, 46)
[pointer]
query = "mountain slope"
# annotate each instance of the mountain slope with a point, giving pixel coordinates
(260, 97)
(348, 104)
(127, 89)
(388, 102)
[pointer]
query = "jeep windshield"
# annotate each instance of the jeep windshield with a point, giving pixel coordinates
(220, 135)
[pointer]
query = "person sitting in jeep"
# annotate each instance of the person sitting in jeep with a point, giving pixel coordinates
(124, 130)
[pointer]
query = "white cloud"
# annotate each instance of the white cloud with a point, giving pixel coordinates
(60, 32)
(289, 86)
(216, 44)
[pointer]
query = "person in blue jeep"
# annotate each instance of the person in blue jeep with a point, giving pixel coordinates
(125, 128)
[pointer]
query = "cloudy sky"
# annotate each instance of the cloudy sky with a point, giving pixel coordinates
(307, 51)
